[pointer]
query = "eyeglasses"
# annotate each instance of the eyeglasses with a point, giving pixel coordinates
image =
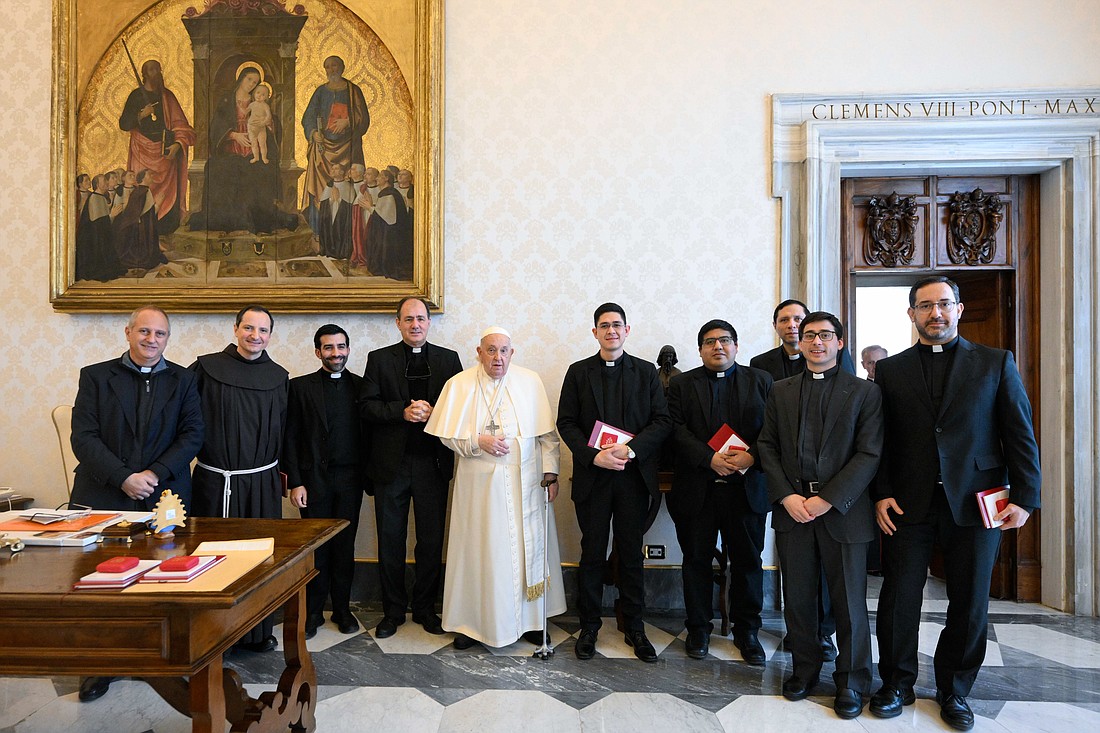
(944, 305)
(617, 325)
(825, 336)
(724, 340)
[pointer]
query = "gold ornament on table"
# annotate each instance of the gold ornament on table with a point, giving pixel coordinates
(168, 514)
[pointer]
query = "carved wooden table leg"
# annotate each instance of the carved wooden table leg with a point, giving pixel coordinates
(291, 704)
(208, 699)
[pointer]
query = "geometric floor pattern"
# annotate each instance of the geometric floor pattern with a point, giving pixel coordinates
(1042, 673)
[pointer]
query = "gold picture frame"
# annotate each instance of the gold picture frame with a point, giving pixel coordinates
(394, 51)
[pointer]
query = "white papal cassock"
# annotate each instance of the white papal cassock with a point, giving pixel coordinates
(495, 571)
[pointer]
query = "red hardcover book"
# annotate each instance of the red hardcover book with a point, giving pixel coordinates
(179, 563)
(726, 440)
(992, 502)
(604, 435)
(163, 575)
(119, 564)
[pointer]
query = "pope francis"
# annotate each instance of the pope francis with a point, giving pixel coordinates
(501, 563)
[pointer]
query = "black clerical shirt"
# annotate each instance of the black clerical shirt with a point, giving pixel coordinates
(936, 362)
(813, 407)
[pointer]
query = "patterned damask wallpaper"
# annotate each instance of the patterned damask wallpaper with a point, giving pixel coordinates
(613, 150)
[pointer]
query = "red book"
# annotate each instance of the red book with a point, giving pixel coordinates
(992, 502)
(164, 575)
(118, 564)
(181, 562)
(726, 440)
(604, 435)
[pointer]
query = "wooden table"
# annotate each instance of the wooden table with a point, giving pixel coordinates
(46, 628)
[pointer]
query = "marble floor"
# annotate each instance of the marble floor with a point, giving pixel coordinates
(1042, 673)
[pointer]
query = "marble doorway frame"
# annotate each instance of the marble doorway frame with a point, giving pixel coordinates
(809, 157)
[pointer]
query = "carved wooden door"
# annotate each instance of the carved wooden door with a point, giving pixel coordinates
(981, 231)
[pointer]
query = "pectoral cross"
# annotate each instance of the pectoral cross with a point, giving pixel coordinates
(492, 426)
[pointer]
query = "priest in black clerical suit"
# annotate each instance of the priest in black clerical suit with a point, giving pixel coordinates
(709, 492)
(135, 414)
(136, 425)
(401, 384)
(613, 486)
(820, 448)
(957, 421)
(324, 462)
(786, 360)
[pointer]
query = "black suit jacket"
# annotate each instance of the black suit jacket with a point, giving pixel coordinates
(382, 402)
(847, 462)
(305, 453)
(772, 362)
(689, 406)
(104, 441)
(645, 415)
(981, 438)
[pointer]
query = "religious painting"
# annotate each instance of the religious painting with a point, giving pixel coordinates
(208, 153)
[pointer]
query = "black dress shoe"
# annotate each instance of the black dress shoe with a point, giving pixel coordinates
(346, 622)
(93, 688)
(430, 621)
(751, 651)
(828, 649)
(266, 644)
(535, 637)
(698, 644)
(314, 621)
(797, 688)
(387, 627)
(955, 711)
(888, 701)
(642, 648)
(463, 642)
(847, 704)
(586, 644)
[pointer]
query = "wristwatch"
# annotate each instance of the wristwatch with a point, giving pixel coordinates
(630, 453)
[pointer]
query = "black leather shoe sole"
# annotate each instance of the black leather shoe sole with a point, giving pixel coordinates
(93, 688)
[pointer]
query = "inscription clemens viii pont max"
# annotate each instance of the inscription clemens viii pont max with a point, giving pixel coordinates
(870, 110)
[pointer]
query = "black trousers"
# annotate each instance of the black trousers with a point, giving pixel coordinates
(420, 482)
(969, 555)
(341, 498)
(725, 509)
(622, 504)
(803, 552)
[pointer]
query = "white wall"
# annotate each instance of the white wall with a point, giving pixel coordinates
(612, 150)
